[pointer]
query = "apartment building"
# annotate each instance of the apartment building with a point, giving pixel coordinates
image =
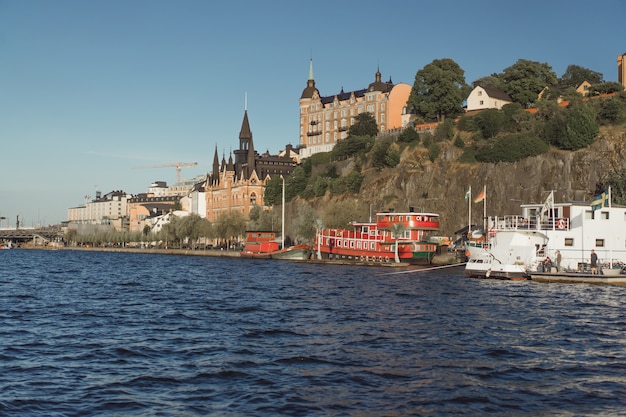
(325, 120)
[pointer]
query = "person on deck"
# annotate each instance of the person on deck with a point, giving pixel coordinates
(558, 261)
(594, 262)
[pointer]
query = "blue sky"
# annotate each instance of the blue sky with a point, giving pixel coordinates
(89, 90)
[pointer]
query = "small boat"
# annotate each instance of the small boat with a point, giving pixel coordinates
(375, 242)
(264, 245)
(506, 253)
(6, 245)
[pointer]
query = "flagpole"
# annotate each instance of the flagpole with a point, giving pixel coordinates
(484, 208)
(552, 209)
(610, 242)
(469, 206)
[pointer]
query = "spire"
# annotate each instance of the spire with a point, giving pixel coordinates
(245, 135)
(216, 165)
(311, 70)
(310, 84)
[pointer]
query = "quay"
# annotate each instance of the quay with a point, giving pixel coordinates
(577, 278)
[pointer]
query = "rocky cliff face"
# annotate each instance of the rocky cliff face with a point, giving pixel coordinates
(440, 186)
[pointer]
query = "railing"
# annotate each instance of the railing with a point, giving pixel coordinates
(527, 223)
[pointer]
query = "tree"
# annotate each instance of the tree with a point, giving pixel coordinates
(490, 122)
(492, 81)
(438, 91)
(525, 79)
(229, 225)
(364, 125)
(408, 135)
(274, 190)
(606, 88)
(575, 76)
(581, 129)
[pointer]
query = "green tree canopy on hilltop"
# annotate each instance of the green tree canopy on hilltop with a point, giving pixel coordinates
(438, 91)
(525, 79)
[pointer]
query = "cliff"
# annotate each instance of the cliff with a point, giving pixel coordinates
(440, 186)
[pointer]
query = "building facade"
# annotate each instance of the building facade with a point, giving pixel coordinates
(239, 184)
(482, 98)
(110, 210)
(325, 120)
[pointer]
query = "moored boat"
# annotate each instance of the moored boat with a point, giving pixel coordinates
(393, 237)
(506, 254)
(264, 245)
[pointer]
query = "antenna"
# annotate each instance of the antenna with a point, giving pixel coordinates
(246, 102)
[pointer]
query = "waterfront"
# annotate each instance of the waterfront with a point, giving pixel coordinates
(112, 334)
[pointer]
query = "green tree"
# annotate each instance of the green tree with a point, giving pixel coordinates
(581, 129)
(433, 152)
(379, 151)
(273, 192)
(409, 135)
(444, 130)
(492, 81)
(575, 75)
(295, 183)
(303, 225)
(364, 125)
(231, 224)
(438, 91)
(490, 122)
(525, 79)
(612, 111)
(352, 146)
(511, 148)
(606, 88)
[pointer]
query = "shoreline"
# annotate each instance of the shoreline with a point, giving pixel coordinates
(218, 253)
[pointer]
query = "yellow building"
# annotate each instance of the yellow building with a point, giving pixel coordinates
(324, 120)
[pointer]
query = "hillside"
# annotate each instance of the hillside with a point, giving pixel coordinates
(440, 186)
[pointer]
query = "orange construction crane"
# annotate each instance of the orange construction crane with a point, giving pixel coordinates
(178, 166)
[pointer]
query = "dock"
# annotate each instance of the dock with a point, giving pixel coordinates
(577, 278)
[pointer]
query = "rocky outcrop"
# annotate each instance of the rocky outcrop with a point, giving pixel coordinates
(440, 186)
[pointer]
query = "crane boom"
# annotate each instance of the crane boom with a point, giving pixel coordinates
(177, 165)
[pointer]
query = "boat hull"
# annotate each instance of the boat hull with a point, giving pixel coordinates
(299, 252)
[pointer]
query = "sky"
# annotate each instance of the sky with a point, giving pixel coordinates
(92, 90)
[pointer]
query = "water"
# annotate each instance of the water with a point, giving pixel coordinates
(114, 334)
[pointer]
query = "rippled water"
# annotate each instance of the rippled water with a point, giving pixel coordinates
(114, 334)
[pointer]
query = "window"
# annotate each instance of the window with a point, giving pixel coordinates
(481, 102)
(589, 214)
(604, 215)
(599, 243)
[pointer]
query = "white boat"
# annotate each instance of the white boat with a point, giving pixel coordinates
(506, 253)
(575, 229)
(572, 228)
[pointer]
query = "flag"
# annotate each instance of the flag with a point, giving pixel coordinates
(600, 201)
(480, 197)
(548, 203)
(468, 194)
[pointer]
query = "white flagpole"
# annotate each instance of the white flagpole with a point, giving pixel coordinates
(469, 205)
(484, 208)
(610, 242)
(552, 209)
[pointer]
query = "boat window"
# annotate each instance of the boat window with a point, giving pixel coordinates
(569, 241)
(599, 243)
(366, 229)
(358, 245)
(352, 244)
(604, 215)
(372, 245)
(589, 214)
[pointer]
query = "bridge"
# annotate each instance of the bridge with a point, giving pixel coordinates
(37, 236)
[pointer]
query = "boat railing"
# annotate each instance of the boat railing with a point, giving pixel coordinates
(515, 222)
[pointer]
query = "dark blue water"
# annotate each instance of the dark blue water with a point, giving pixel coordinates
(106, 334)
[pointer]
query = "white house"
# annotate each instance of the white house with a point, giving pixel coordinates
(482, 98)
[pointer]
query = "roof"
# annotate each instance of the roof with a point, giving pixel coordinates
(495, 93)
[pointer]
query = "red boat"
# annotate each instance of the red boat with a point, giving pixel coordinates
(264, 245)
(375, 242)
